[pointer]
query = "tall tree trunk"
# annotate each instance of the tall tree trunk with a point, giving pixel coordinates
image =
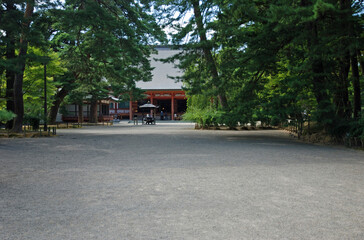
(10, 76)
(56, 103)
(356, 85)
(324, 107)
(93, 111)
(341, 97)
(347, 27)
(361, 61)
(207, 53)
(18, 83)
(80, 113)
(10, 71)
(325, 110)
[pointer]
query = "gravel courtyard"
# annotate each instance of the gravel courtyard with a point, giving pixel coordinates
(169, 181)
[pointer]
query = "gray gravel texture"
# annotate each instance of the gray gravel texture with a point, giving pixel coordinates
(169, 181)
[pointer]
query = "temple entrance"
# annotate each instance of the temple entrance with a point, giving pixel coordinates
(181, 106)
(164, 105)
(172, 103)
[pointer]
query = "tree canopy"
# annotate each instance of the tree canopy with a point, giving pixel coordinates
(276, 61)
(101, 44)
(244, 61)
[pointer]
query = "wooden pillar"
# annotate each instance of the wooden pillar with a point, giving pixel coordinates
(172, 107)
(152, 111)
(99, 118)
(130, 110)
(152, 98)
(176, 106)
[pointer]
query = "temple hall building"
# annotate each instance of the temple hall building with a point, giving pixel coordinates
(162, 91)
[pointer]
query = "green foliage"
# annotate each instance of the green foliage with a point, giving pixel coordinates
(268, 61)
(33, 87)
(201, 110)
(192, 35)
(6, 115)
(230, 119)
(23, 25)
(278, 61)
(105, 45)
(205, 117)
(357, 128)
(348, 128)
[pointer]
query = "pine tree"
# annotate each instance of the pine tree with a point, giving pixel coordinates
(106, 43)
(194, 32)
(8, 41)
(307, 42)
(21, 25)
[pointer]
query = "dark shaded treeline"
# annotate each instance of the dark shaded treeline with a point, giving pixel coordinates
(275, 60)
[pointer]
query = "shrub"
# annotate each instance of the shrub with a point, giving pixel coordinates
(275, 121)
(203, 117)
(6, 115)
(357, 128)
(230, 119)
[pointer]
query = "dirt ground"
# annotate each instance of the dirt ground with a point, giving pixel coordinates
(169, 181)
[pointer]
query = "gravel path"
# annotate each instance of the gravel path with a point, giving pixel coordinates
(169, 181)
